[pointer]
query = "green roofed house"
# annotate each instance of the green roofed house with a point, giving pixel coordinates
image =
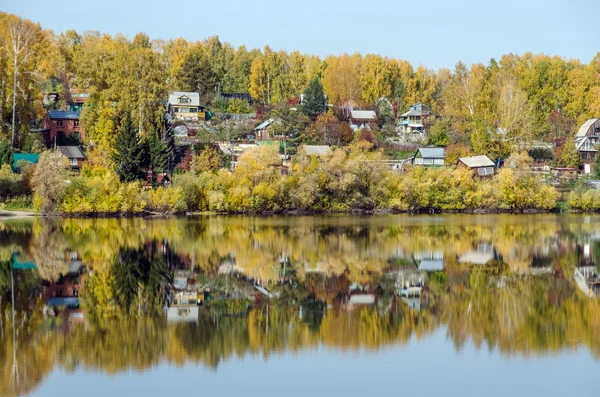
(26, 157)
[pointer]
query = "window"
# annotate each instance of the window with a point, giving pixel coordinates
(485, 171)
(73, 162)
(76, 123)
(193, 110)
(438, 161)
(59, 123)
(185, 110)
(176, 110)
(419, 161)
(428, 161)
(184, 99)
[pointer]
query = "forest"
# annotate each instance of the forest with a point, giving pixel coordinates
(531, 97)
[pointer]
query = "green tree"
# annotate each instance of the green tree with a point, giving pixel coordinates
(569, 157)
(197, 75)
(168, 138)
(438, 133)
(314, 102)
(597, 167)
(158, 155)
(6, 155)
(128, 156)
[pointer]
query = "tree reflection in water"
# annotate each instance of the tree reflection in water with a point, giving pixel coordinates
(334, 281)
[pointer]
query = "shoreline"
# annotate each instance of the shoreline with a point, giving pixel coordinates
(148, 214)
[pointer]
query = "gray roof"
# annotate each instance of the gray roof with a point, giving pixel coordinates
(477, 161)
(583, 130)
(417, 110)
(317, 150)
(476, 257)
(264, 125)
(63, 115)
(71, 152)
(194, 97)
(432, 152)
(363, 114)
(431, 265)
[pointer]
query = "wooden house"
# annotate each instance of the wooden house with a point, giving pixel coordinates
(481, 165)
(430, 157)
(74, 154)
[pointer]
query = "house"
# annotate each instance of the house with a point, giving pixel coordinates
(74, 154)
(186, 106)
(481, 165)
(413, 121)
(263, 131)
(77, 100)
(31, 158)
(61, 125)
(430, 157)
(360, 119)
(482, 255)
(586, 143)
(430, 261)
(316, 150)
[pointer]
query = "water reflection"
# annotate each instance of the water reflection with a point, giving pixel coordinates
(113, 294)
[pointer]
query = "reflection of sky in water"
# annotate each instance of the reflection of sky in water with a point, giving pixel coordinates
(430, 366)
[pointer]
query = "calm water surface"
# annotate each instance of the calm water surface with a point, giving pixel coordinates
(463, 305)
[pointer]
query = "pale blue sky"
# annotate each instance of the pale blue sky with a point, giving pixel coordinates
(435, 33)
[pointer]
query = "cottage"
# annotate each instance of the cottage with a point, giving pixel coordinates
(481, 165)
(413, 121)
(186, 106)
(263, 131)
(430, 157)
(360, 119)
(61, 125)
(586, 143)
(74, 154)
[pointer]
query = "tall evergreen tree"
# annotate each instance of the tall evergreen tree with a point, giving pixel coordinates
(158, 156)
(129, 155)
(168, 139)
(314, 102)
(6, 154)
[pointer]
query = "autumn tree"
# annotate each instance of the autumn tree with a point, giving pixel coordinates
(314, 102)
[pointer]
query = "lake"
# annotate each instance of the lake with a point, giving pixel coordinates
(461, 305)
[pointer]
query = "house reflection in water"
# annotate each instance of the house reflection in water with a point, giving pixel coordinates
(482, 255)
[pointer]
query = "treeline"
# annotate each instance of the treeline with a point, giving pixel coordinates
(349, 179)
(528, 95)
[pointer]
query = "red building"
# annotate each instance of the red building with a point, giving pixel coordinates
(60, 125)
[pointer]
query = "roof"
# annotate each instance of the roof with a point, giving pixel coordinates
(431, 265)
(432, 152)
(63, 115)
(363, 114)
(194, 97)
(418, 109)
(64, 301)
(585, 127)
(29, 157)
(264, 124)
(317, 150)
(72, 152)
(477, 161)
(476, 258)
(362, 299)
